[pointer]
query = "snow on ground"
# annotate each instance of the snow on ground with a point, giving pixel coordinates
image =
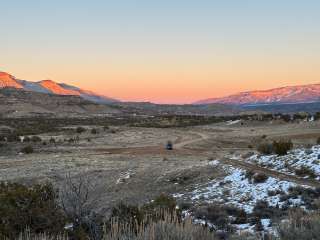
(295, 159)
(231, 122)
(239, 191)
(247, 227)
(236, 189)
(214, 163)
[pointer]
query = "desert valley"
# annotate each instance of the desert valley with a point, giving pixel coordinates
(160, 120)
(236, 172)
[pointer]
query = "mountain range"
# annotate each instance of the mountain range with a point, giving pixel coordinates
(290, 98)
(51, 87)
(284, 95)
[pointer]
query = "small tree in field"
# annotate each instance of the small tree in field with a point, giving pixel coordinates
(78, 202)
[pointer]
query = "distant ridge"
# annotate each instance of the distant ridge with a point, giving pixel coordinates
(52, 87)
(291, 94)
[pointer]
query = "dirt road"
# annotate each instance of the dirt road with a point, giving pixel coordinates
(180, 147)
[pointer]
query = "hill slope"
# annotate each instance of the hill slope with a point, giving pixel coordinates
(21, 103)
(49, 86)
(291, 94)
(172, 109)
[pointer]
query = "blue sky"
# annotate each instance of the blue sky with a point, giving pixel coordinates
(212, 48)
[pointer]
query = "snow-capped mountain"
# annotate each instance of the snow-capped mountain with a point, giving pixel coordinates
(51, 87)
(293, 94)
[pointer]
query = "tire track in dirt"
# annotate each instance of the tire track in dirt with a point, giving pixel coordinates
(270, 173)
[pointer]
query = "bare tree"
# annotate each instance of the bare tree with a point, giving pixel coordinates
(78, 201)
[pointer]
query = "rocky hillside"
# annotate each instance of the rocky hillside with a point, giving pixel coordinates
(20, 103)
(293, 94)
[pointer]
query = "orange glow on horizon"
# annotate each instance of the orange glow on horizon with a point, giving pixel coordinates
(175, 82)
(163, 51)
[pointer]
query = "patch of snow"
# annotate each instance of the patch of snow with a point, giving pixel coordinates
(204, 223)
(68, 226)
(245, 228)
(177, 195)
(214, 163)
(237, 190)
(231, 122)
(295, 159)
(266, 223)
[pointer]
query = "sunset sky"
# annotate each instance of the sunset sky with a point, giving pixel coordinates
(168, 51)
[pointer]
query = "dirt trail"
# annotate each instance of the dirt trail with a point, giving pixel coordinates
(201, 137)
(253, 167)
(181, 147)
(271, 173)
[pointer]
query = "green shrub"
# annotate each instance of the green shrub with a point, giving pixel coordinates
(127, 214)
(27, 149)
(34, 207)
(215, 214)
(265, 148)
(13, 137)
(263, 210)
(249, 175)
(308, 195)
(259, 178)
(239, 214)
(221, 215)
(80, 130)
(94, 131)
(36, 139)
(305, 171)
(279, 147)
(133, 216)
(162, 202)
(282, 147)
(26, 139)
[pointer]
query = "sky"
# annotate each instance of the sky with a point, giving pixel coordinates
(168, 51)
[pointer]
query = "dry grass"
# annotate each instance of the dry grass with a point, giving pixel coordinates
(300, 226)
(27, 235)
(170, 227)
